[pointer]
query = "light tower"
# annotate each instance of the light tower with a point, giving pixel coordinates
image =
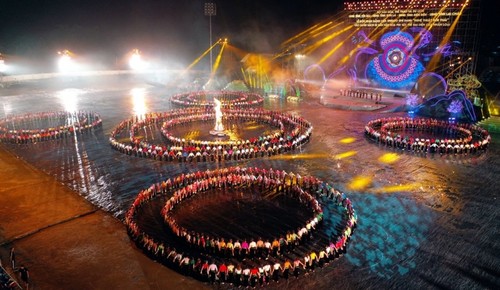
(210, 10)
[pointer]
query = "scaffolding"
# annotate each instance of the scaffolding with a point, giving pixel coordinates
(464, 61)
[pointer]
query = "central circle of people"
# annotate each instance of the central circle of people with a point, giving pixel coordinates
(227, 98)
(293, 132)
(460, 138)
(23, 129)
(260, 262)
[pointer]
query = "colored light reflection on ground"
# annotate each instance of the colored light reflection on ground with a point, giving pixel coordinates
(397, 188)
(139, 102)
(389, 158)
(299, 156)
(69, 99)
(233, 131)
(345, 154)
(347, 140)
(382, 244)
(192, 135)
(359, 183)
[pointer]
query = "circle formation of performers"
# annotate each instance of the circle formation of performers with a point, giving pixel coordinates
(434, 136)
(202, 185)
(257, 262)
(293, 132)
(229, 99)
(25, 128)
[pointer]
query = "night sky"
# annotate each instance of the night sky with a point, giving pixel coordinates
(107, 29)
(179, 28)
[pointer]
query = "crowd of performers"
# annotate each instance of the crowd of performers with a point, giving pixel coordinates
(214, 263)
(228, 99)
(397, 132)
(361, 94)
(18, 128)
(250, 247)
(293, 132)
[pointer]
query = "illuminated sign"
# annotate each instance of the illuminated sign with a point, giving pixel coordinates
(408, 17)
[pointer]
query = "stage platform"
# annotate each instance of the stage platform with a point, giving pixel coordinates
(388, 103)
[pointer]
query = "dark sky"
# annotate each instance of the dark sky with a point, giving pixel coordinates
(174, 28)
(31, 27)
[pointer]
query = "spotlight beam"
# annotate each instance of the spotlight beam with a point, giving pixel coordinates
(326, 39)
(299, 35)
(201, 56)
(217, 60)
(436, 57)
(326, 56)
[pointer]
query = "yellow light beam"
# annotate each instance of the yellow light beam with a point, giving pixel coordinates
(359, 183)
(457, 68)
(299, 35)
(201, 56)
(436, 17)
(323, 40)
(322, 30)
(217, 60)
(345, 154)
(299, 156)
(389, 158)
(311, 36)
(437, 56)
(245, 76)
(449, 75)
(347, 140)
(430, 24)
(374, 34)
(396, 188)
(238, 51)
(313, 29)
(326, 56)
(316, 35)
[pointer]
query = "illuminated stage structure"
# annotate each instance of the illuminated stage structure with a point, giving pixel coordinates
(397, 41)
(400, 46)
(403, 47)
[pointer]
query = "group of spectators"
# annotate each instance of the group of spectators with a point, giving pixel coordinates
(458, 138)
(6, 281)
(229, 99)
(293, 132)
(215, 266)
(20, 128)
(361, 94)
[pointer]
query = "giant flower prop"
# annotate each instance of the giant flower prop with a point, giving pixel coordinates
(396, 67)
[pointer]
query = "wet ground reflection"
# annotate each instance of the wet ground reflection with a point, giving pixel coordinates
(378, 242)
(423, 221)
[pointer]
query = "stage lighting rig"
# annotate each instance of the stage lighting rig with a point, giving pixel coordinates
(136, 62)
(66, 62)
